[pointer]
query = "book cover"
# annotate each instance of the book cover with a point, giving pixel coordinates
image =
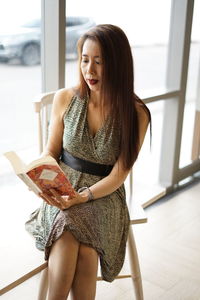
(41, 175)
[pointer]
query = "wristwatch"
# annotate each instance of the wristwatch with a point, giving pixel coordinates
(90, 195)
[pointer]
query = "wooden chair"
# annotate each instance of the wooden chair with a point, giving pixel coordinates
(137, 215)
(42, 105)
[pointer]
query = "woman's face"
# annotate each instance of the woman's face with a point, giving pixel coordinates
(91, 65)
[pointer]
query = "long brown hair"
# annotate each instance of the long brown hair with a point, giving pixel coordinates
(117, 86)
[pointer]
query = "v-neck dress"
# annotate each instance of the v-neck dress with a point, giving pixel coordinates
(102, 223)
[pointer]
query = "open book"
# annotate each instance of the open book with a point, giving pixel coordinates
(41, 175)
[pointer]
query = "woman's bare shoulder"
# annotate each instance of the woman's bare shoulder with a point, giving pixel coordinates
(62, 99)
(143, 115)
(64, 96)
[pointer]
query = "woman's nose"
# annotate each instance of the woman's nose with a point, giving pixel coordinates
(90, 68)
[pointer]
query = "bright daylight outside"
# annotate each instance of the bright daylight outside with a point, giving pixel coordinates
(146, 24)
(20, 73)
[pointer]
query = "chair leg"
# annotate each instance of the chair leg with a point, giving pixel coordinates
(135, 267)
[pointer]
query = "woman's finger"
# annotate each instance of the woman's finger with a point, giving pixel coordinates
(59, 198)
(56, 194)
(59, 201)
(50, 200)
(65, 201)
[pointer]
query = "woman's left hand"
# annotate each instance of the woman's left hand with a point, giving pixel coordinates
(64, 202)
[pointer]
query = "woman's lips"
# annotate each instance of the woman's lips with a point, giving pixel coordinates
(92, 81)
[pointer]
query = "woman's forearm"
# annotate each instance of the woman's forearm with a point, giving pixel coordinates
(107, 186)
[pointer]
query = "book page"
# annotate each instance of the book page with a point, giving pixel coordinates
(30, 183)
(45, 160)
(18, 165)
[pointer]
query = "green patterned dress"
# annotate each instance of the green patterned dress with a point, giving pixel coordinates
(102, 223)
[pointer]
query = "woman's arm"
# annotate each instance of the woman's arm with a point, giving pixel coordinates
(107, 185)
(118, 175)
(61, 101)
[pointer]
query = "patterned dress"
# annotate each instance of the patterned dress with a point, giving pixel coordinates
(102, 223)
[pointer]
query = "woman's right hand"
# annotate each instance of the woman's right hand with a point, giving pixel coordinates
(57, 201)
(63, 202)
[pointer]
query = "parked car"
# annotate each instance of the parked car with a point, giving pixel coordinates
(24, 42)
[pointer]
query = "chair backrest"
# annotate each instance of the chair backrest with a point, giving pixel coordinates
(42, 104)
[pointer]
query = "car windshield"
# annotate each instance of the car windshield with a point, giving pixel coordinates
(70, 21)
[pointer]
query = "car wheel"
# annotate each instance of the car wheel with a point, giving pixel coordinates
(31, 55)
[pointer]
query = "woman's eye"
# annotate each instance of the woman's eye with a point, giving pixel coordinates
(84, 61)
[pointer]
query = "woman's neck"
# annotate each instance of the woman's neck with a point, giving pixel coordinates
(95, 99)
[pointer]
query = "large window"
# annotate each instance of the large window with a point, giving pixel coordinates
(146, 24)
(20, 81)
(20, 76)
(159, 34)
(192, 100)
(148, 32)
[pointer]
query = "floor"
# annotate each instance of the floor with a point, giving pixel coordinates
(169, 252)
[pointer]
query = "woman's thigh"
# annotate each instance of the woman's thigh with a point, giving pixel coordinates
(84, 283)
(62, 265)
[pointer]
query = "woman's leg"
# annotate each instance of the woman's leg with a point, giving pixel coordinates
(61, 266)
(43, 285)
(84, 283)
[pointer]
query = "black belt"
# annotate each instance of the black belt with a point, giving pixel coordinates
(85, 166)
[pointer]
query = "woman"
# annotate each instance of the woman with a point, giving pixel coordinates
(99, 126)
